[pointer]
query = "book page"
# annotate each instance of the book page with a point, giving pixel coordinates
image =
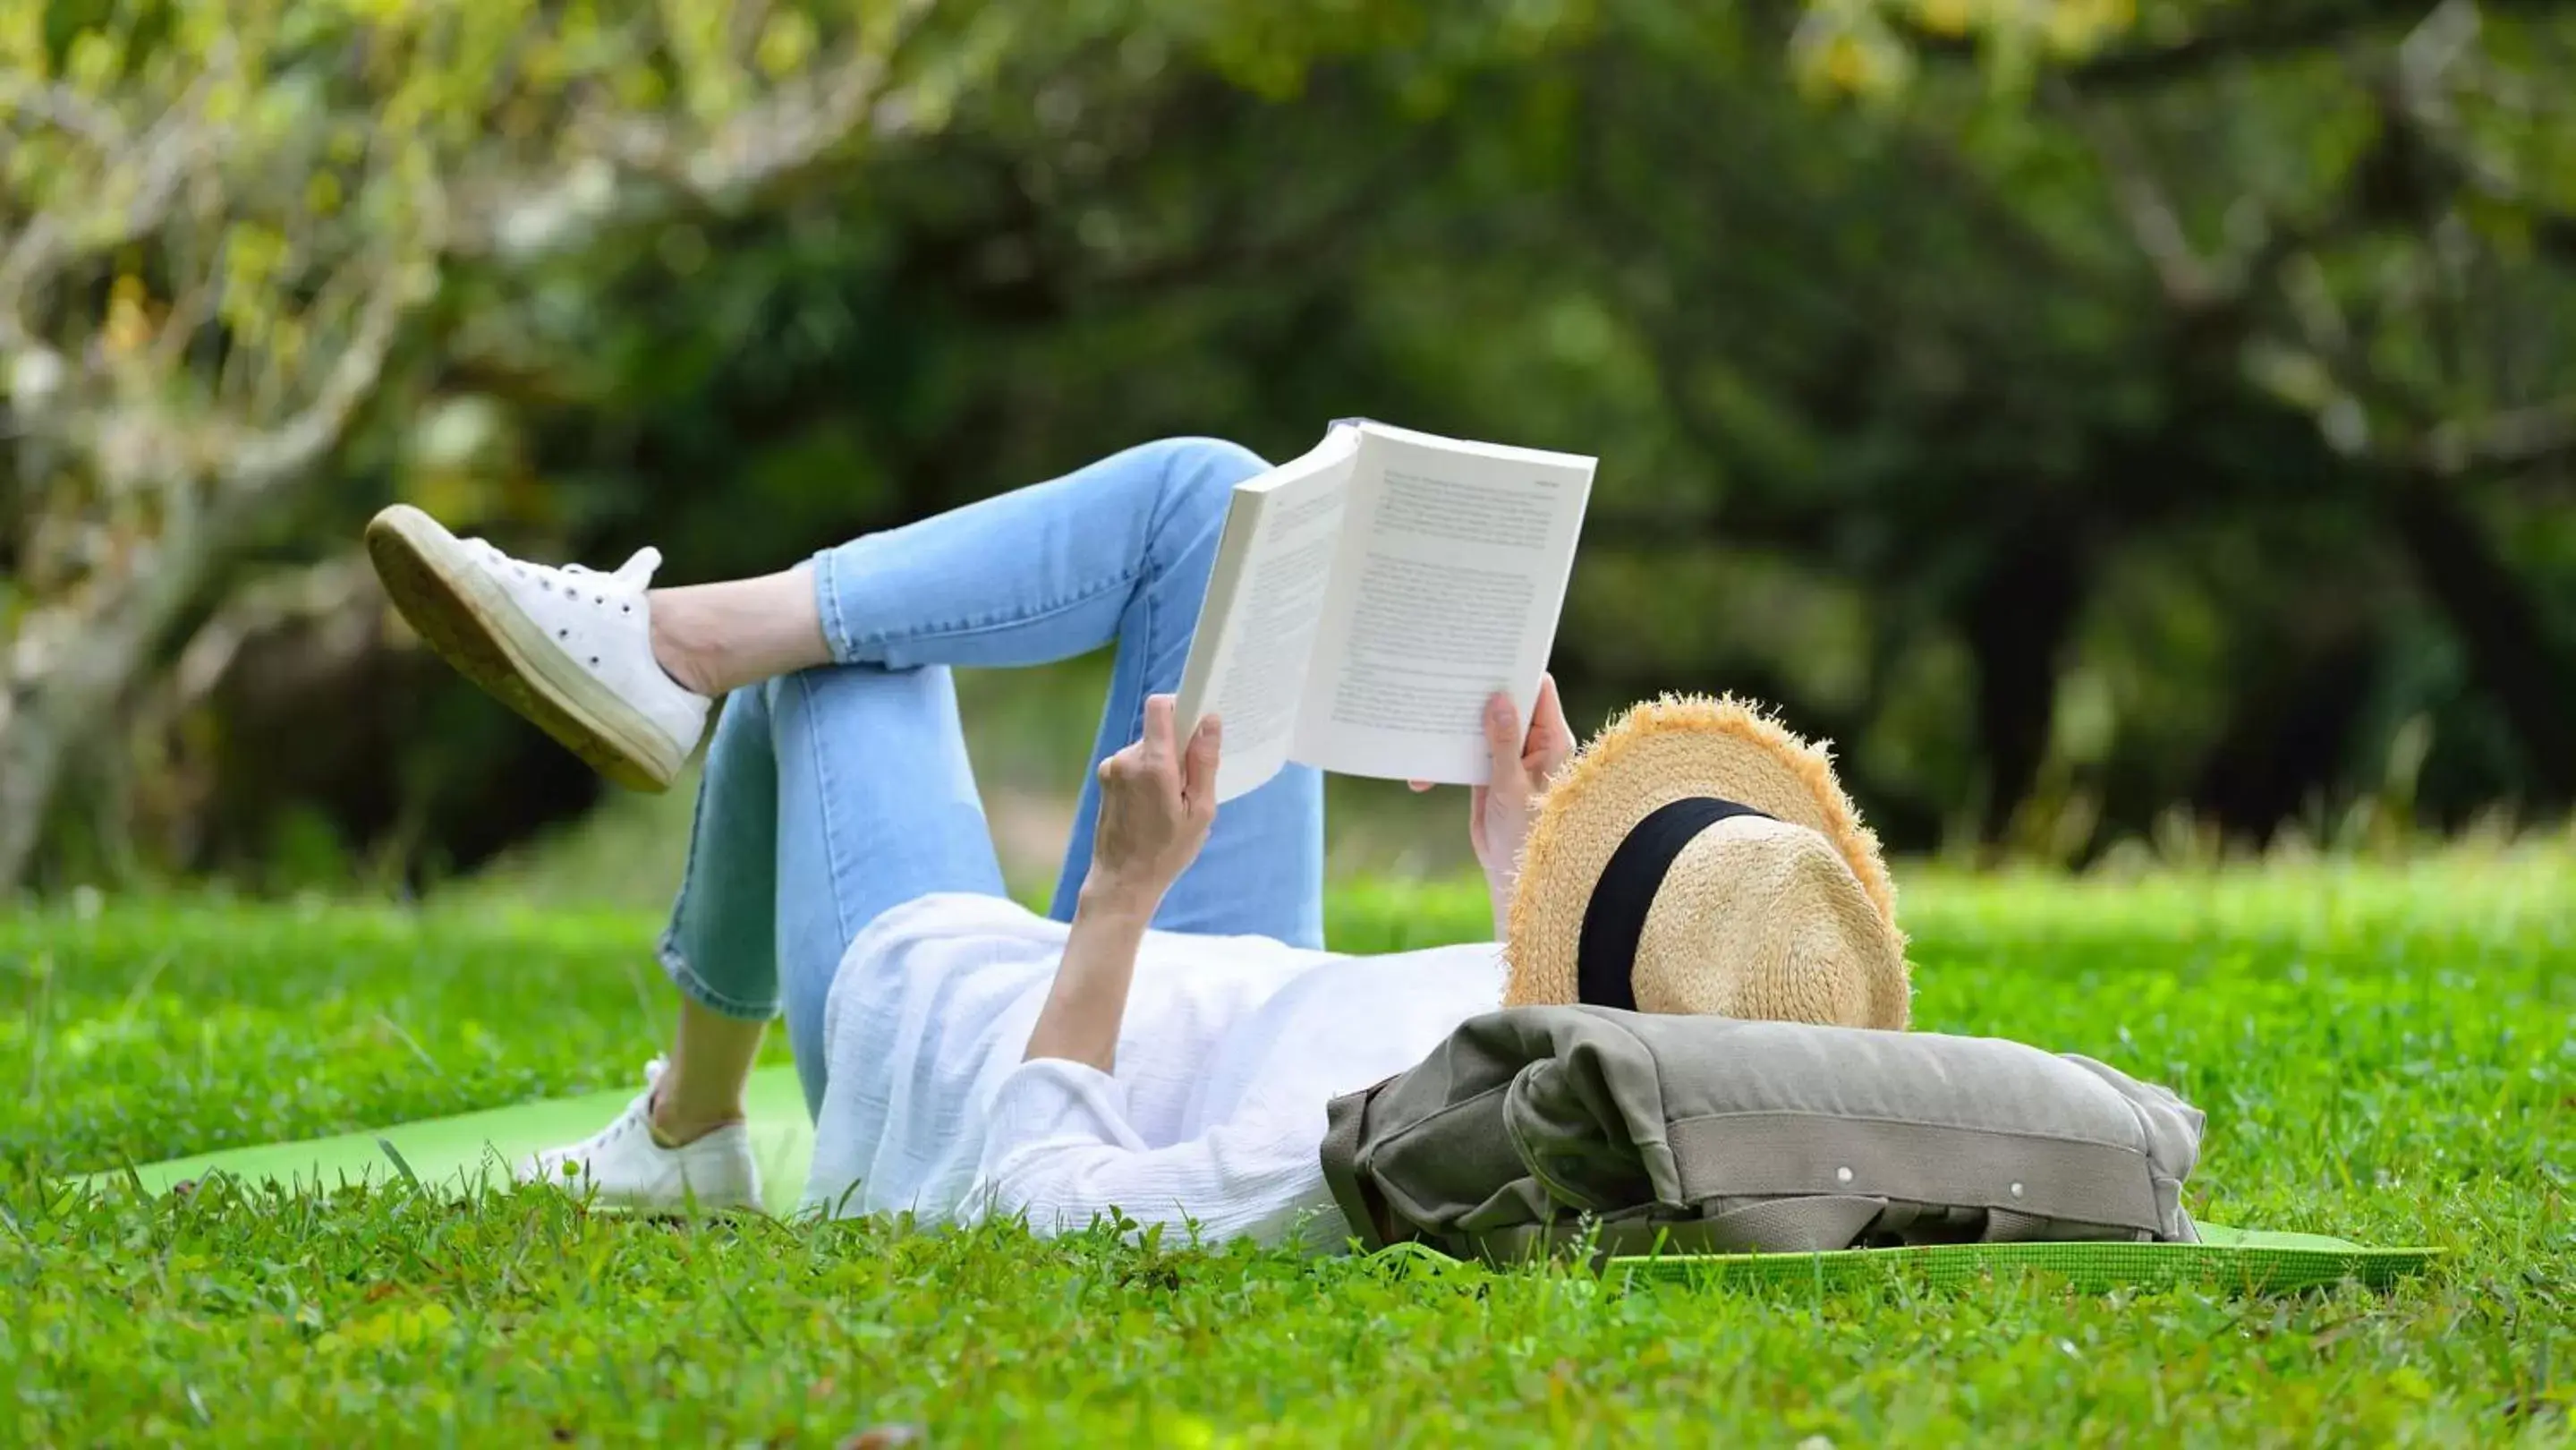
(1265, 600)
(1447, 586)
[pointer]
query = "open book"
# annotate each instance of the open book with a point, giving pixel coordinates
(1369, 596)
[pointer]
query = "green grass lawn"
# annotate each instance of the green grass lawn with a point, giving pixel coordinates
(2385, 1054)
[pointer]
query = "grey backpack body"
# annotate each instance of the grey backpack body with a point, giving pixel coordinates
(1535, 1128)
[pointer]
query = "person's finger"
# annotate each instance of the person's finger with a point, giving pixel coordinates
(1120, 764)
(1548, 714)
(1477, 796)
(1158, 730)
(1503, 744)
(1418, 786)
(1551, 740)
(1198, 768)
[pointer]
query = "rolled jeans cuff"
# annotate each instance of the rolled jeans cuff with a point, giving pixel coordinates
(675, 965)
(827, 605)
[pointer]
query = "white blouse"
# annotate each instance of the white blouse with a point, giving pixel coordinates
(1214, 1116)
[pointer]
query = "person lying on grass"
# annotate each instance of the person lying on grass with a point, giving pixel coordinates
(1164, 1041)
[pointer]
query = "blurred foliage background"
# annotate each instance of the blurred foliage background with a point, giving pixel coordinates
(2120, 424)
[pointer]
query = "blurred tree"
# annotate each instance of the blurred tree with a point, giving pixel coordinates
(226, 225)
(241, 233)
(2075, 409)
(1974, 354)
(2364, 215)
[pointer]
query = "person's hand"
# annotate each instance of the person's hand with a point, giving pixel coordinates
(1499, 811)
(1157, 800)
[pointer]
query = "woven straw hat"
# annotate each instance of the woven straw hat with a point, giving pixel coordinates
(1697, 857)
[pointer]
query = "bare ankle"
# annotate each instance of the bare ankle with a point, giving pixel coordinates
(675, 646)
(715, 637)
(674, 1127)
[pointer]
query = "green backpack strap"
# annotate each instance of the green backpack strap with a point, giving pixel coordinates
(1343, 1119)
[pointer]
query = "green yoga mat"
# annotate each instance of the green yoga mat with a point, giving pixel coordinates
(454, 1152)
(2252, 1261)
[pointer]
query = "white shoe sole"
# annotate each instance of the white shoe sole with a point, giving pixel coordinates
(646, 1206)
(465, 617)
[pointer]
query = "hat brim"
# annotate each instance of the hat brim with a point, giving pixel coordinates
(1655, 753)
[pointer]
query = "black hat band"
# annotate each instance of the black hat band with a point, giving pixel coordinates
(1615, 917)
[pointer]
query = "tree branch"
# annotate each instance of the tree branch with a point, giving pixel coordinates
(164, 158)
(2267, 30)
(2190, 281)
(331, 589)
(791, 129)
(2518, 437)
(62, 109)
(2326, 373)
(167, 154)
(265, 461)
(2251, 32)
(2419, 105)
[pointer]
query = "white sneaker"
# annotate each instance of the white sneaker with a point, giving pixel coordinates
(624, 1166)
(570, 649)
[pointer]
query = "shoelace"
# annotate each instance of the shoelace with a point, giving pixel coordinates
(573, 579)
(639, 1113)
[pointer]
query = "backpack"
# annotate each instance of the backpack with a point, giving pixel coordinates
(1533, 1130)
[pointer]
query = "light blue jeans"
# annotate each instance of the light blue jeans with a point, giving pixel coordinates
(834, 794)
